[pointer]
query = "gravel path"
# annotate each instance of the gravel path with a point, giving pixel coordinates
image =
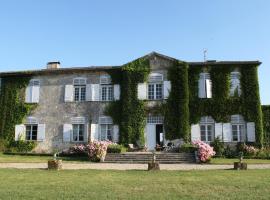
(115, 166)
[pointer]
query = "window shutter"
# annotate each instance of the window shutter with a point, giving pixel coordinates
(94, 132)
(227, 132)
(195, 132)
(35, 94)
(116, 91)
(142, 91)
(201, 88)
(88, 92)
(218, 131)
(28, 94)
(116, 133)
(208, 88)
(166, 89)
(20, 132)
(251, 132)
(69, 93)
(67, 132)
(41, 132)
(95, 92)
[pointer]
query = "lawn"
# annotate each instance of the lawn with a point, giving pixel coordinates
(95, 184)
(36, 159)
(224, 161)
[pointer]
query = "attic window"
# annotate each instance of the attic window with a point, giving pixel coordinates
(79, 81)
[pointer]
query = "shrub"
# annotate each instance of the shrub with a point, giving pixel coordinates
(263, 153)
(116, 148)
(205, 151)
(188, 148)
(78, 150)
(218, 147)
(97, 150)
(3, 145)
(21, 146)
(230, 153)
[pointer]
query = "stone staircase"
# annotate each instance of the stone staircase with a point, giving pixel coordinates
(145, 157)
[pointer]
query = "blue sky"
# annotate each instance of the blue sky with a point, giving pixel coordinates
(100, 32)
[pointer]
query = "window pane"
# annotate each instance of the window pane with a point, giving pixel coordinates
(109, 132)
(158, 91)
(103, 93)
(203, 134)
(75, 132)
(81, 132)
(209, 133)
(83, 91)
(103, 132)
(234, 132)
(110, 93)
(77, 94)
(150, 91)
(28, 133)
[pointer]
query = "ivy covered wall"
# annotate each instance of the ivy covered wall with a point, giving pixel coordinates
(12, 107)
(266, 123)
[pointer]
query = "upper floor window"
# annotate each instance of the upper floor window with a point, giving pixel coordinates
(205, 86)
(155, 86)
(106, 88)
(79, 89)
(235, 87)
(207, 125)
(32, 91)
(238, 128)
(31, 128)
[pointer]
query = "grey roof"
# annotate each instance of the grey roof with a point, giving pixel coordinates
(102, 68)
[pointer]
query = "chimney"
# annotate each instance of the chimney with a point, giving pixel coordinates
(53, 65)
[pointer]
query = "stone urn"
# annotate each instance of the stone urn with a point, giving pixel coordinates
(240, 165)
(54, 164)
(153, 165)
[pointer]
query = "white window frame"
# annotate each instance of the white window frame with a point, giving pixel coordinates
(109, 96)
(80, 84)
(238, 121)
(207, 121)
(78, 132)
(108, 127)
(31, 132)
(155, 91)
(152, 119)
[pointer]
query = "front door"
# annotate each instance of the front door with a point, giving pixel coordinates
(159, 134)
(151, 136)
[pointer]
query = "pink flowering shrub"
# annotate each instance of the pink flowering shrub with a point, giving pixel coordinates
(205, 151)
(250, 150)
(97, 150)
(78, 149)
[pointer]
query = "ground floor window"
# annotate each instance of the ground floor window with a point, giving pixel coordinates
(106, 131)
(78, 132)
(238, 131)
(207, 132)
(31, 131)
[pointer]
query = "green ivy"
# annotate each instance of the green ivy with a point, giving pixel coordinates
(13, 109)
(266, 123)
(176, 116)
(129, 112)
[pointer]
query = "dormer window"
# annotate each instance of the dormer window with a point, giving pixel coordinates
(79, 89)
(235, 87)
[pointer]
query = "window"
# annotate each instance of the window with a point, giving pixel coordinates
(106, 92)
(31, 131)
(106, 132)
(154, 119)
(207, 129)
(78, 132)
(205, 86)
(79, 89)
(235, 87)
(238, 128)
(155, 91)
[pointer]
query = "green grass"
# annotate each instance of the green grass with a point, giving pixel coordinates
(224, 161)
(36, 159)
(96, 184)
